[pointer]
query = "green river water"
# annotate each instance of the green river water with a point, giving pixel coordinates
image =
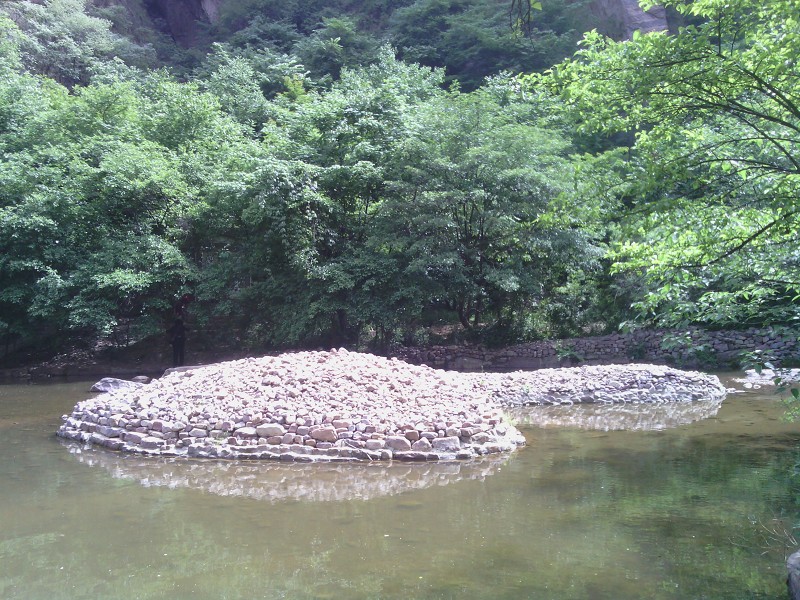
(678, 508)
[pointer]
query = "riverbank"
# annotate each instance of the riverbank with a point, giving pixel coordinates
(149, 357)
(693, 348)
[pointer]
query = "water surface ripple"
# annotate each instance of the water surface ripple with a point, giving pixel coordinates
(686, 508)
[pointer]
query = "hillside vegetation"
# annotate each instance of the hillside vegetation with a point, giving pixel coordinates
(341, 174)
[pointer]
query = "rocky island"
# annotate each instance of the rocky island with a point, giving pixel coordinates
(347, 406)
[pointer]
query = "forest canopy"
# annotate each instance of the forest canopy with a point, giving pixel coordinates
(712, 183)
(317, 181)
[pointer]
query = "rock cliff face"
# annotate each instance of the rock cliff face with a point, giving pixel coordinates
(183, 18)
(620, 18)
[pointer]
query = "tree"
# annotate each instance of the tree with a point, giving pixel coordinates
(325, 281)
(233, 74)
(470, 212)
(60, 40)
(336, 44)
(384, 199)
(100, 187)
(712, 198)
(235, 83)
(472, 39)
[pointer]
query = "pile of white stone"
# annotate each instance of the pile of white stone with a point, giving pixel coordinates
(602, 384)
(306, 406)
(345, 406)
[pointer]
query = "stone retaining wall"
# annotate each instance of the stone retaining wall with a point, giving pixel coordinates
(689, 348)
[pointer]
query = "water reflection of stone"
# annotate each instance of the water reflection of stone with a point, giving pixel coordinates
(754, 380)
(640, 416)
(275, 481)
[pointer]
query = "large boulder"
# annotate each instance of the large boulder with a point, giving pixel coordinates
(112, 384)
(620, 18)
(793, 580)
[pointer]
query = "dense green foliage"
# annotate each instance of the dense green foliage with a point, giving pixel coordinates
(70, 40)
(359, 212)
(711, 183)
(310, 184)
(472, 39)
(63, 42)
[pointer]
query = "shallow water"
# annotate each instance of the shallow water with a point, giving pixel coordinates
(679, 508)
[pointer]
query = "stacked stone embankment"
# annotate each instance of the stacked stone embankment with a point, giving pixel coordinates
(307, 406)
(691, 348)
(338, 405)
(601, 384)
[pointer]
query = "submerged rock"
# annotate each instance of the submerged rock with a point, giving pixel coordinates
(110, 384)
(344, 406)
(793, 580)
